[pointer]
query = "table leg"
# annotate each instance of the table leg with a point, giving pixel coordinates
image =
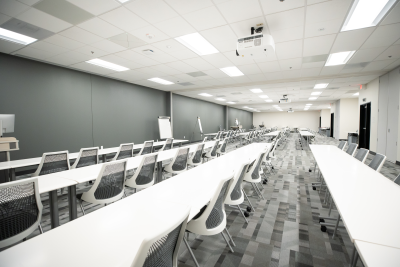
(53, 203)
(72, 202)
(159, 172)
(104, 158)
(12, 174)
(180, 144)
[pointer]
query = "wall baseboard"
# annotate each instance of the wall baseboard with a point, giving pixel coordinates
(342, 139)
(397, 162)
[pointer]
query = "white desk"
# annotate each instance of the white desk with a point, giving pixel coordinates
(275, 133)
(374, 255)
(306, 135)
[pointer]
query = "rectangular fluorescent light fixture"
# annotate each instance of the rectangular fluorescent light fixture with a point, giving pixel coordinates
(246, 107)
(107, 65)
(220, 99)
(161, 81)
(366, 13)
(263, 96)
(205, 94)
(312, 98)
(197, 44)
(232, 103)
(339, 58)
(123, 1)
(321, 85)
(268, 100)
(357, 94)
(308, 104)
(15, 37)
(275, 106)
(316, 93)
(232, 71)
(256, 91)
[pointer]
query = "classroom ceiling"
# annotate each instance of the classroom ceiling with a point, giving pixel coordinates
(70, 32)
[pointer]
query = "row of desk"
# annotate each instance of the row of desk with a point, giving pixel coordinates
(367, 203)
(120, 229)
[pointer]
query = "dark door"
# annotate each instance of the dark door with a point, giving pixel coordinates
(332, 123)
(365, 126)
(319, 122)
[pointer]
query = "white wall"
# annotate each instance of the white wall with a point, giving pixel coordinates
(298, 119)
(371, 93)
(349, 116)
(325, 118)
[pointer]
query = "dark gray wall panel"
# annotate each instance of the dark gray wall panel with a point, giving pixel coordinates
(185, 112)
(124, 113)
(51, 106)
(245, 118)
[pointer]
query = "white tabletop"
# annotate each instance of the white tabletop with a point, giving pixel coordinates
(275, 133)
(374, 255)
(49, 183)
(306, 133)
(366, 200)
(303, 129)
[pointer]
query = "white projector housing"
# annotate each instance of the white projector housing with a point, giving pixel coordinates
(256, 45)
(284, 101)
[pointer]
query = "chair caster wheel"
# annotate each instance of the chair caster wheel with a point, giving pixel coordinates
(309, 170)
(314, 188)
(248, 208)
(321, 220)
(264, 182)
(246, 214)
(323, 228)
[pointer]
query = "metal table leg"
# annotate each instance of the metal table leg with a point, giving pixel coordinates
(53, 203)
(159, 172)
(104, 158)
(12, 174)
(72, 202)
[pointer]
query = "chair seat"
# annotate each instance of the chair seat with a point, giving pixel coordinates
(8, 224)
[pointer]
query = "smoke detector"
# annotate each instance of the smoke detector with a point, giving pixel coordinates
(150, 36)
(148, 52)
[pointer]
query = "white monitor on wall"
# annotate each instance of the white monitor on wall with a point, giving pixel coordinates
(164, 126)
(7, 123)
(201, 129)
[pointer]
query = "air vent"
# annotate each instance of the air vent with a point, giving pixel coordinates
(148, 52)
(25, 28)
(332, 88)
(220, 96)
(236, 93)
(356, 66)
(317, 58)
(186, 84)
(196, 74)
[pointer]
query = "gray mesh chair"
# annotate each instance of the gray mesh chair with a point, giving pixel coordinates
(253, 175)
(397, 179)
(221, 150)
(169, 143)
(144, 174)
(218, 135)
(362, 154)
(211, 219)
(52, 163)
(125, 151)
(377, 162)
(179, 162)
(147, 148)
(108, 187)
(205, 139)
(342, 144)
(20, 210)
(351, 150)
(86, 157)
(212, 153)
(196, 158)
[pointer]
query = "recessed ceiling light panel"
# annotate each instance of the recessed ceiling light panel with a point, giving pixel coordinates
(232, 71)
(232, 103)
(161, 81)
(263, 96)
(220, 99)
(106, 64)
(268, 100)
(15, 37)
(312, 98)
(205, 94)
(321, 85)
(316, 93)
(197, 44)
(357, 94)
(340, 58)
(256, 90)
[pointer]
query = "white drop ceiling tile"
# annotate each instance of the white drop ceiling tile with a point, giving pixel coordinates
(219, 33)
(291, 49)
(331, 70)
(250, 69)
(366, 55)
(63, 41)
(323, 28)
(29, 2)
(227, 80)
(383, 36)
(273, 75)
(318, 45)
(130, 75)
(69, 58)
(183, 77)
(238, 60)
(311, 2)
(290, 64)
(272, 6)
(205, 18)
(96, 7)
(152, 72)
(152, 11)
(92, 51)
(288, 34)
(181, 66)
(329, 10)
(311, 72)
(132, 65)
(290, 74)
(42, 45)
(157, 34)
(175, 27)
(215, 73)
(8, 47)
(218, 60)
(398, 42)
(35, 53)
(267, 58)
(199, 63)
(241, 79)
(319, 64)
(108, 46)
(214, 82)
(393, 65)
(168, 46)
(100, 28)
(225, 46)
(12, 8)
(115, 59)
(124, 19)
(163, 58)
(352, 70)
(43, 20)
(183, 54)
(392, 52)
(288, 19)
(351, 40)
(4, 18)
(272, 66)
(378, 65)
(81, 35)
(393, 16)
(187, 6)
(257, 77)
(242, 28)
(238, 10)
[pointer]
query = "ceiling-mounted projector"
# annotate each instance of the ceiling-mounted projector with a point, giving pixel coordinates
(255, 45)
(284, 100)
(290, 110)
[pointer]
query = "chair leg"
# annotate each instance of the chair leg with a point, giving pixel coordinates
(242, 214)
(336, 226)
(40, 228)
(83, 210)
(248, 200)
(191, 252)
(227, 242)
(230, 237)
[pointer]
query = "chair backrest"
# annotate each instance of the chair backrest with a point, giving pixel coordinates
(222, 149)
(147, 148)
(397, 179)
(196, 157)
(254, 170)
(169, 143)
(179, 162)
(109, 185)
(342, 144)
(351, 150)
(362, 154)
(235, 193)
(144, 174)
(20, 210)
(213, 151)
(205, 139)
(53, 162)
(86, 157)
(125, 151)
(377, 162)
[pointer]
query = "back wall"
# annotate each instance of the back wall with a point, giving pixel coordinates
(298, 119)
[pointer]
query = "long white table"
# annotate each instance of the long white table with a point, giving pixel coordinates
(274, 133)
(111, 236)
(365, 199)
(306, 135)
(376, 255)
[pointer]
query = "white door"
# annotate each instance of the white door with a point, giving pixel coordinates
(382, 113)
(393, 115)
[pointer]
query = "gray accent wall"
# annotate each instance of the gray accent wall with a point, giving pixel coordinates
(244, 117)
